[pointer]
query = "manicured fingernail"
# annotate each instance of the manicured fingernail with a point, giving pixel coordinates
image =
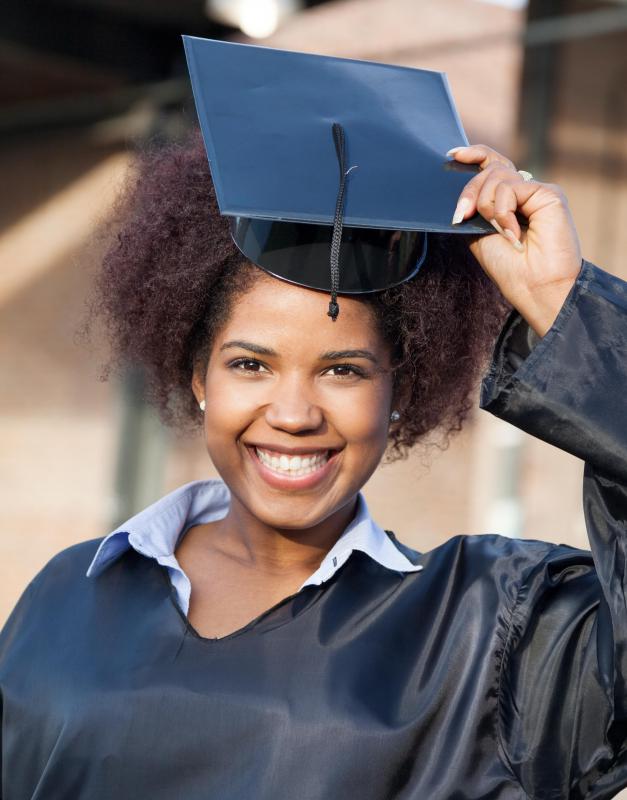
(517, 245)
(460, 210)
(454, 150)
(509, 235)
(497, 226)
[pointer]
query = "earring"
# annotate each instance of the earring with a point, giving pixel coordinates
(202, 405)
(395, 416)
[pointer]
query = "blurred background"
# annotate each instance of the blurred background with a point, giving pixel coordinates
(84, 82)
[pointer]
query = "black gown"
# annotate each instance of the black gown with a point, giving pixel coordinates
(498, 671)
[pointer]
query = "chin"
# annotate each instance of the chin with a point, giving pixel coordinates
(292, 513)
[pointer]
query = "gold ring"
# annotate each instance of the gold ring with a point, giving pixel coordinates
(526, 176)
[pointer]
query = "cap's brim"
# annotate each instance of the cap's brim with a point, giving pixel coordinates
(370, 259)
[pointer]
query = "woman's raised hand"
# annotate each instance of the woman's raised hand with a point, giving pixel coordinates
(534, 267)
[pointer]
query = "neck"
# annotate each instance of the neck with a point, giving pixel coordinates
(263, 547)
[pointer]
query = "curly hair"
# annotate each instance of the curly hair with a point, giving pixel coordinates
(170, 274)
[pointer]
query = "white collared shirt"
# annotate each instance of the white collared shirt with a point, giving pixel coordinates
(156, 531)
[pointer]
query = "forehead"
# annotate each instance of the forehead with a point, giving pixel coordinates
(291, 314)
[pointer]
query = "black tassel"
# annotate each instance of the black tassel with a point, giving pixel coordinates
(336, 239)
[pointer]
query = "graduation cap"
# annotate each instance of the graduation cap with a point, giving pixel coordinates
(332, 171)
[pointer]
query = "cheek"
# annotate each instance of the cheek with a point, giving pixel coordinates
(230, 408)
(362, 416)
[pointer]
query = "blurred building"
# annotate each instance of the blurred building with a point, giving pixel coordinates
(573, 131)
(85, 82)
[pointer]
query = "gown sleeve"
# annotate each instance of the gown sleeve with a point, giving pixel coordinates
(562, 705)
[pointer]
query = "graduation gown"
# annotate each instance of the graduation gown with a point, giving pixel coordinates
(498, 671)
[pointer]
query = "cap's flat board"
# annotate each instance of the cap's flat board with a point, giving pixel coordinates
(266, 117)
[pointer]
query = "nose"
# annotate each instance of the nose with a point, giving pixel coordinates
(292, 408)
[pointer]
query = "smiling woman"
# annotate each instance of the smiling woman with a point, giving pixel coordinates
(260, 636)
(278, 386)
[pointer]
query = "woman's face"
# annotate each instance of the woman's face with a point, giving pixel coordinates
(297, 406)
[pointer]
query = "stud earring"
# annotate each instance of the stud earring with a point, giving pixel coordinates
(395, 416)
(202, 405)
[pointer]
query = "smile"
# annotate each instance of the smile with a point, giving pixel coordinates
(294, 471)
(293, 465)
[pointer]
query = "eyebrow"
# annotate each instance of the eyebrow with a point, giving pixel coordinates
(254, 348)
(335, 355)
(331, 355)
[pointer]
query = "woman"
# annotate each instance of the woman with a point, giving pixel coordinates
(263, 637)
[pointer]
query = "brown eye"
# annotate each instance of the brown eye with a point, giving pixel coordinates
(247, 365)
(345, 371)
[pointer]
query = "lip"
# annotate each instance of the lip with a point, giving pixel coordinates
(294, 483)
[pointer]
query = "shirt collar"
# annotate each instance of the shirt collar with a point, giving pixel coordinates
(156, 530)
(365, 535)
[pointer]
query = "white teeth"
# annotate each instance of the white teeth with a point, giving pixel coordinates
(295, 466)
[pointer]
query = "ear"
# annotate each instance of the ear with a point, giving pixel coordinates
(401, 399)
(198, 381)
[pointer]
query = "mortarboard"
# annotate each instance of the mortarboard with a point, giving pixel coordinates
(331, 170)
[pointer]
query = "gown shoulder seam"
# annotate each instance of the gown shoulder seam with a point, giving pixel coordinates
(504, 659)
(499, 697)
(505, 655)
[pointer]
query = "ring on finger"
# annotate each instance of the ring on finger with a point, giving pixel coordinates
(526, 176)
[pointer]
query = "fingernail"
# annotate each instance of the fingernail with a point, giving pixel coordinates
(517, 245)
(497, 226)
(454, 150)
(460, 210)
(509, 235)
